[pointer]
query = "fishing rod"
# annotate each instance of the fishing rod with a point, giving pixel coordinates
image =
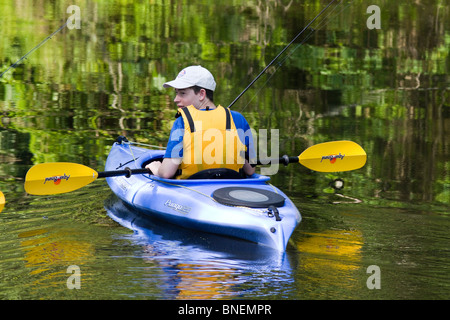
(282, 51)
(15, 64)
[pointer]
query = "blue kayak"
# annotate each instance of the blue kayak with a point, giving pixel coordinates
(245, 208)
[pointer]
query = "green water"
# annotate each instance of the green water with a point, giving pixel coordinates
(386, 89)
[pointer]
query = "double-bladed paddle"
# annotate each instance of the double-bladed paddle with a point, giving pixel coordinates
(62, 177)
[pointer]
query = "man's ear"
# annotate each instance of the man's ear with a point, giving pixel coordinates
(202, 94)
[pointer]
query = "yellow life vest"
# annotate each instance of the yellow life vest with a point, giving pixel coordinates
(210, 141)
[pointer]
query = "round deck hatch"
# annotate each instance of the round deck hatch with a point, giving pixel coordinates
(248, 197)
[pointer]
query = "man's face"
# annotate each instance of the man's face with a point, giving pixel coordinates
(187, 97)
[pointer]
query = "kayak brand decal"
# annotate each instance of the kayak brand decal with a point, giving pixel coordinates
(57, 179)
(333, 157)
(177, 207)
(123, 186)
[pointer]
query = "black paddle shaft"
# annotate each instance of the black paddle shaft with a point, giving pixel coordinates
(126, 172)
(283, 160)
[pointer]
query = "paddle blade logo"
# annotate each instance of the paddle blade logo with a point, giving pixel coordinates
(57, 179)
(333, 158)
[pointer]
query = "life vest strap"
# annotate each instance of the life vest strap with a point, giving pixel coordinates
(191, 121)
(189, 118)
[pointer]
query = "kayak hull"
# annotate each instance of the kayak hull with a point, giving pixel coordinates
(191, 203)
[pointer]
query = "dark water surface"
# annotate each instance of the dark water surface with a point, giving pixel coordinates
(386, 89)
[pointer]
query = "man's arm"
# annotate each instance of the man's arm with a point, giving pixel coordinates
(248, 169)
(165, 169)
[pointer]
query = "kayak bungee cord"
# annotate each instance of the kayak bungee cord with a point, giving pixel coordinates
(124, 140)
(282, 51)
(146, 145)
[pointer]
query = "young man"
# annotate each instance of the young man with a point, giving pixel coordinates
(205, 136)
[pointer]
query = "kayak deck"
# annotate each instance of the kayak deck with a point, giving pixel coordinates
(194, 204)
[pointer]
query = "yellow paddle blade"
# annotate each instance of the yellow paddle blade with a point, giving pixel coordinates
(335, 156)
(58, 177)
(2, 201)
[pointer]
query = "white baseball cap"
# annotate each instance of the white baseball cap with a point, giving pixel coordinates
(193, 76)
